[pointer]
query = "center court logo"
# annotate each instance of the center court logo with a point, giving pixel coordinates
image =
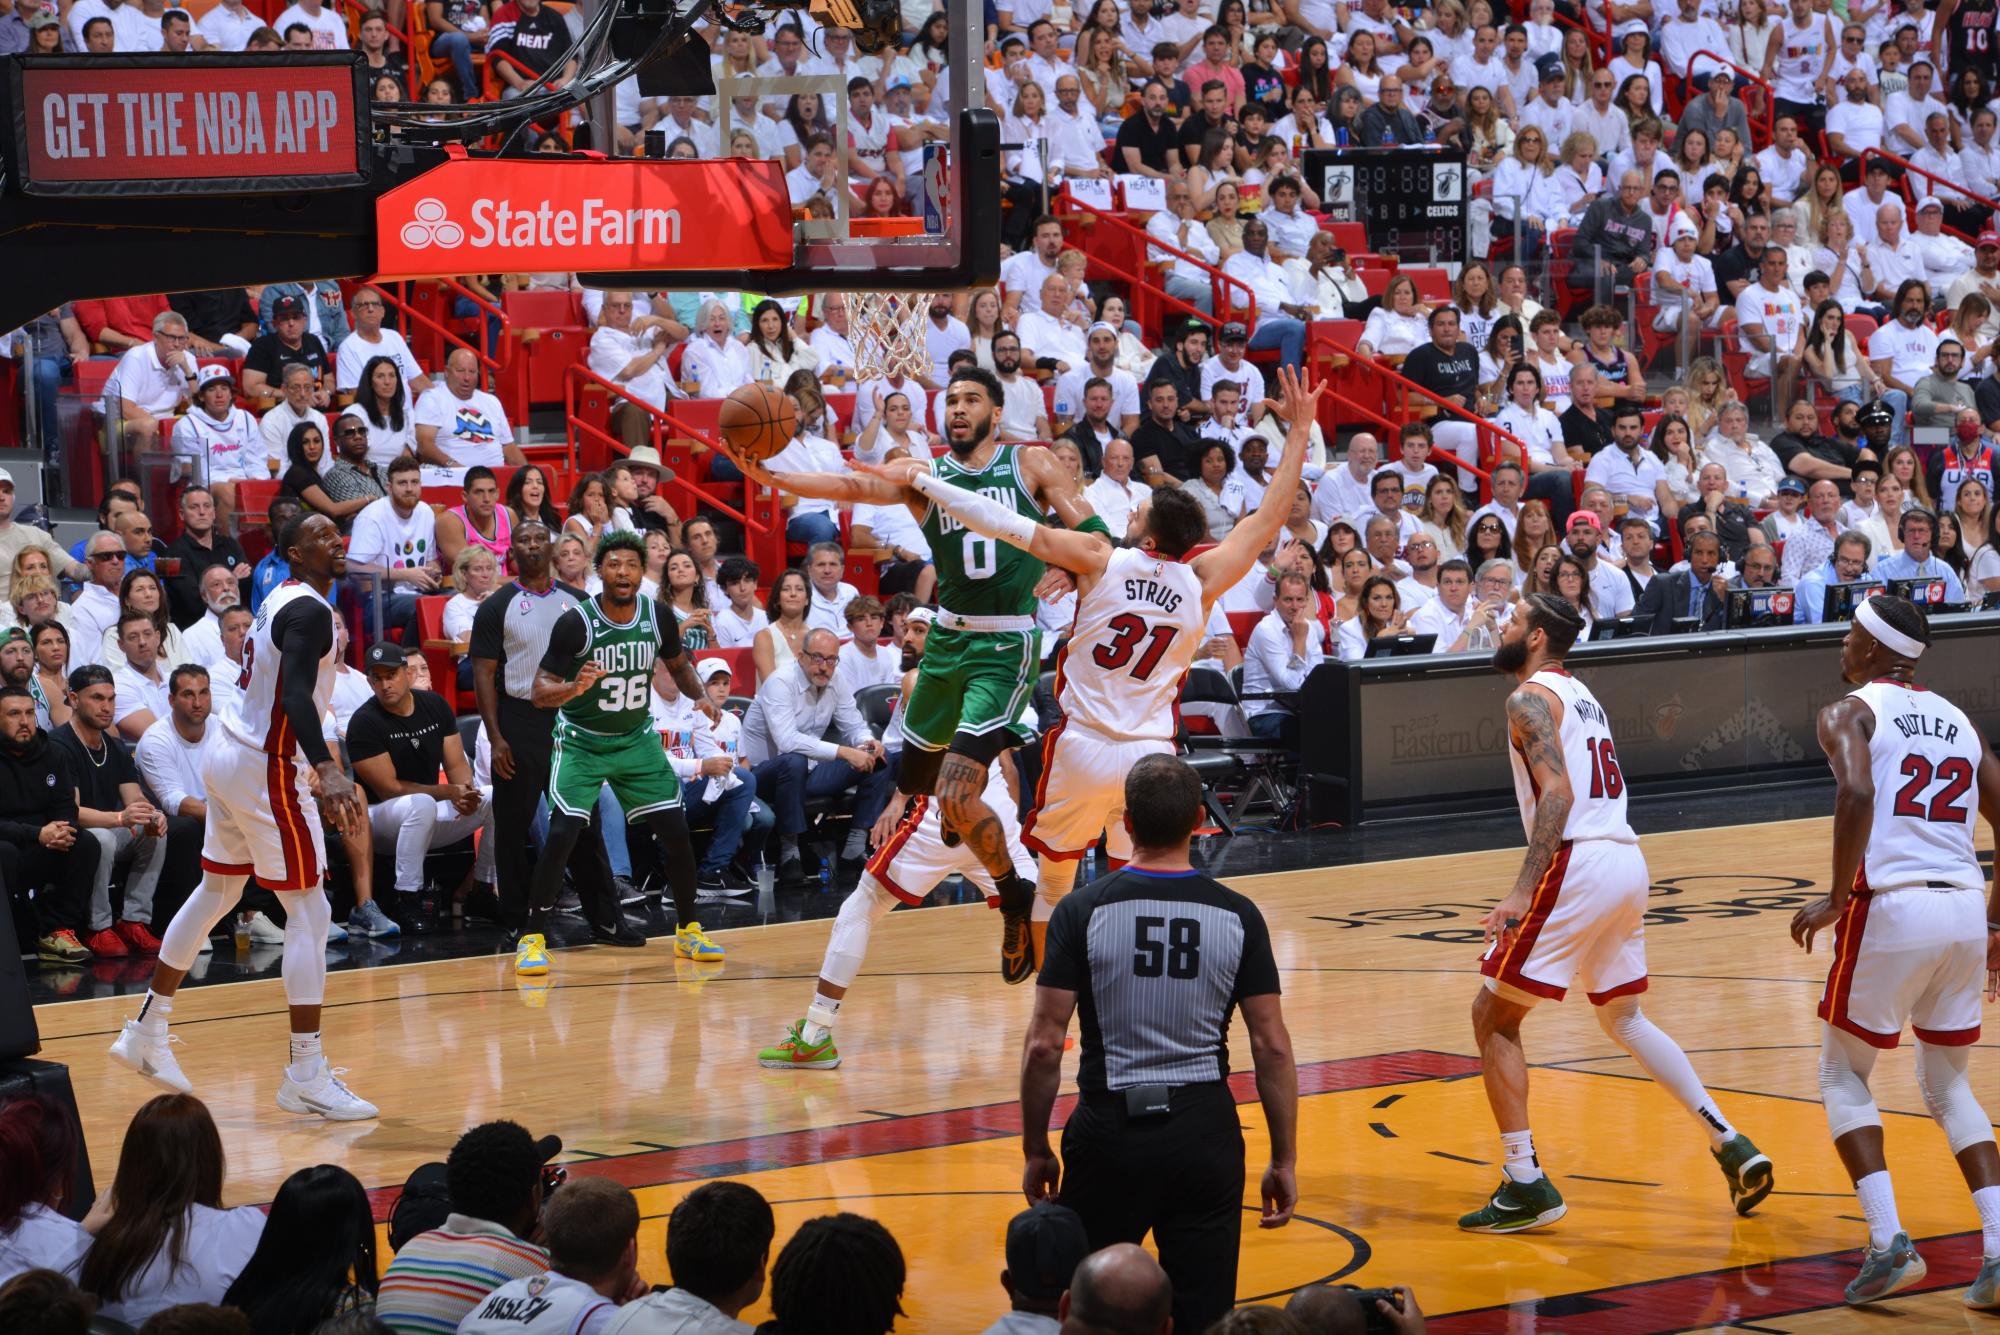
(430, 226)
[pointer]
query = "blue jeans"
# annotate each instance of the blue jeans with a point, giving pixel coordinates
(613, 818)
(731, 814)
(787, 783)
(1285, 334)
(457, 48)
(399, 614)
(816, 526)
(1851, 394)
(465, 308)
(48, 383)
(1899, 403)
(1276, 725)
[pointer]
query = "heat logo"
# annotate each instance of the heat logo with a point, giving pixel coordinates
(429, 226)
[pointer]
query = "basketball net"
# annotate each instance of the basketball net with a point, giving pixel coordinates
(887, 332)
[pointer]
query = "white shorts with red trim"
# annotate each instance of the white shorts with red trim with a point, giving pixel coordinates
(916, 858)
(1081, 793)
(1908, 957)
(262, 819)
(1585, 924)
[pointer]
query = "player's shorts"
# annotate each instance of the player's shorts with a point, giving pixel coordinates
(915, 859)
(1081, 792)
(972, 681)
(633, 763)
(1908, 957)
(1585, 924)
(262, 819)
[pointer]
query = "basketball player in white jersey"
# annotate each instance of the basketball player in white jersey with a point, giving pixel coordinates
(1141, 612)
(1576, 914)
(909, 861)
(264, 820)
(1912, 940)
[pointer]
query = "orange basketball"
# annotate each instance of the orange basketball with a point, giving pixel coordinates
(757, 421)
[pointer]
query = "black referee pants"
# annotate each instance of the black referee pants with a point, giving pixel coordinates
(530, 732)
(1179, 1177)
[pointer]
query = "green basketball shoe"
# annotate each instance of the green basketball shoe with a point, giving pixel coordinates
(795, 1054)
(1748, 1172)
(1517, 1207)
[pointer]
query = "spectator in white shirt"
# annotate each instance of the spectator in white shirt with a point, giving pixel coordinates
(1291, 228)
(717, 363)
(631, 351)
(459, 424)
(829, 339)
(1023, 410)
(41, 1143)
(866, 659)
(1048, 333)
(1231, 363)
(1626, 468)
(825, 562)
(1449, 615)
(1783, 164)
(394, 543)
(1903, 351)
(152, 380)
(371, 338)
(784, 742)
(740, 618)
(1752, 468)
(1343, 492)
(1940, 259)
(1688, 32)
(1177, 226)
(1281, 312)
(1283, 650)
(295, 406)
(1115, 496)
(95, 610)
(1610, 592)
(1906, 112)
(1854, 124)
(1769, 319)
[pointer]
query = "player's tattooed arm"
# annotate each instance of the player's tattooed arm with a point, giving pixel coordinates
(1536, 734)
(960, 787)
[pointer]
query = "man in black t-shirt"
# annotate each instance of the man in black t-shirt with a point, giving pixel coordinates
(1147, 143)
(202, 544)
(1809, 456)
(112, 809)
(1180, 366)
(1154, 1143)
(536, 36)
(1448, 368)
(398, 742)
(288, 342)
(1163, 444)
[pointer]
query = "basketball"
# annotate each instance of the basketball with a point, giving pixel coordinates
(757, 421)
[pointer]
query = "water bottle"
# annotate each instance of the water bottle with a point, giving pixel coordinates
(1388, 136)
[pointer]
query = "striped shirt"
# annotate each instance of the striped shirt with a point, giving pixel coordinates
(442, 1275)
(1159, 961)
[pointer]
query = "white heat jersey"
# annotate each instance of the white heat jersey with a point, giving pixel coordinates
(1135, 634)
(1597, 787)
(1924, 757)
(258, 719)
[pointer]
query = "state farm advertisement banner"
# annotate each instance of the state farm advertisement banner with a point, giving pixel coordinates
(516, 215)
(178, 125)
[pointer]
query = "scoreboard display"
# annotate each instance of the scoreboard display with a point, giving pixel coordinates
(1411, 198)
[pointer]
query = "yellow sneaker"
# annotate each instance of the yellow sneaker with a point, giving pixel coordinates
(531, 955)
(691, 943)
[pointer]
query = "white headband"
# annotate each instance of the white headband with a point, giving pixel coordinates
(1891, 638)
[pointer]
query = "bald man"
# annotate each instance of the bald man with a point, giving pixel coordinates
(1120, 1288)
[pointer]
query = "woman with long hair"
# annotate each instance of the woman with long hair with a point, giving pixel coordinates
(1902, 462)
(1486, 540)
(50, 684)
(1027, 125)
(1533, 530)
(1225, 227)
(1635, 61)
(1525, 198)
(162, 1235)
(1750, 36)
(804, 117)
(1971, 92)
(1539, 574)
(1473, 297)
(1214, 166)
(1356, 566)
(1443, 516)
(1966, 324)
(687, 592)
(1635, 97)
(305, 448)
(1134, 357)
(1316, 69)
(1300, 526)
(589, 509)
(528, 498)
(1398, 325)
(1708, 389)
(1950, 546)
(883, 200)
(383, 401)
(982, 322)
(1974, 511)
(1489, 136)
(1746, 192)
(1834, 359)
(141, 591)
(933, 40)
(1343, 113)
(1673, 445)
(775, 355)
(1264, 75)
(316, 1258)
(38, 1140)
(1823, 198)
(1380, 615)
(1843, 258)
(1579, 62)
(1101, 65)
(1505, 343)
(1693, 156)
(781, 642)
(1359, 69)
(1571, 582)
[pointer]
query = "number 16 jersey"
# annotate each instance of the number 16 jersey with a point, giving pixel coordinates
(1924, 756)
(1135, 633)
(1596, 785)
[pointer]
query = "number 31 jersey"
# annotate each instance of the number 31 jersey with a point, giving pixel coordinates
(1596, 785)
(1135, 633)
(1925, 760)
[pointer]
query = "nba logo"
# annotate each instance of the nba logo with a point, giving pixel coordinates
(1339, 185)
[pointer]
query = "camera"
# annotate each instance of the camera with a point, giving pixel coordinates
(1377, 1323)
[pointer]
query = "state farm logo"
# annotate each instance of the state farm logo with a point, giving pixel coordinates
(429, 226)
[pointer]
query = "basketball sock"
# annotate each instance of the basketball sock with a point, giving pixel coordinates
(1878, 1205)
(1987, 1201)
(154, 1012)
(1519, 1149)
(306, 1057)
(820, 1017)
(1662, 1059)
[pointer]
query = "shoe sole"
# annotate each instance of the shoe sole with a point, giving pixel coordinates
(1756, 1180)
(826, 1065)
(298, 1105)
(65, 959)
(699, 957)
(1542, 1220)
(1912, 1274)
(1989, 1305)
(139, 1068)
(531, 970)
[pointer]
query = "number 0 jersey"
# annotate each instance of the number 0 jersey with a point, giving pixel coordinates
(258, 718)
(1135, 633)
(1924, 757)
(1597, 787)
(621, 700)
(979, 576)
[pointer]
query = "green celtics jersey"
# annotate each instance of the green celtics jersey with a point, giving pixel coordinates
(621, 700)
(977, 575)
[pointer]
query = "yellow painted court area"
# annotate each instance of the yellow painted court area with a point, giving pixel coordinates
(647, 1070)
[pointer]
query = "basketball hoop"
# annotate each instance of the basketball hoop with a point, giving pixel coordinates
(887, 331)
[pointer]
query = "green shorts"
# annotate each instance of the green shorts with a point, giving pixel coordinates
(633, 763)
(973, 682)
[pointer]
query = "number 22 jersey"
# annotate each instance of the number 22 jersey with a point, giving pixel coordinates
(1135, 633)
(1924, 757)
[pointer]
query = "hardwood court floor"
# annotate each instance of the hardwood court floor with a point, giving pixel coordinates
(646, 1068)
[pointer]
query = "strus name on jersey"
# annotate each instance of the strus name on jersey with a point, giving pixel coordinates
(1159, 595)
(1000, 495)
(1926, 725)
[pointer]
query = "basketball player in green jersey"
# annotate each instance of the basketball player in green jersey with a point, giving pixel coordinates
(597, 674)
(984, 652)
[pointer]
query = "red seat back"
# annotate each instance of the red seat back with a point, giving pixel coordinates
(1241, 624)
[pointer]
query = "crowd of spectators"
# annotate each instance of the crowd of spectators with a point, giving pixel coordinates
(496, 1237)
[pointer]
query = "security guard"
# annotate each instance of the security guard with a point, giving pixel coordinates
(1156, 956)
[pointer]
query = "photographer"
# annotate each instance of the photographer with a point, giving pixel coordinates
(1324, 1309)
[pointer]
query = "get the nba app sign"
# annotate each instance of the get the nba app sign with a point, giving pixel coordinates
(472, 215)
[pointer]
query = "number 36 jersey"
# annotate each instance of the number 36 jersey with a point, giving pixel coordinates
(1924, 756)
(1596, 784)
(1136, 631)
(621, 700)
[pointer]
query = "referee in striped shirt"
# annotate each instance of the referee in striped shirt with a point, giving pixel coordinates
(1154, 958)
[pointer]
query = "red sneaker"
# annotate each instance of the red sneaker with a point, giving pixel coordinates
(138, 937)
(106, 944)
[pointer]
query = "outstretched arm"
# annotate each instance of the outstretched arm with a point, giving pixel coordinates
(1057, 490)
(1535, 728)
(1231, 560)
(1081, 553)
(822, 486)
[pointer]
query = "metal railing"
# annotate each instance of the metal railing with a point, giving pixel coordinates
(1156, 294)
(1910, 168)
